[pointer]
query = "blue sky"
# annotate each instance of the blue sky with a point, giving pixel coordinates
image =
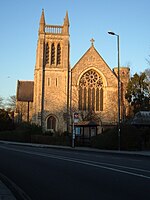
(19, 23)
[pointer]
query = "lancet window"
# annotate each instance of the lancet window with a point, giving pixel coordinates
(58, 54)
(52, 54)
(51, 123)
(47, 53)
(91, 92)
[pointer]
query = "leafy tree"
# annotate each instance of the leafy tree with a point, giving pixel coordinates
(138, 92)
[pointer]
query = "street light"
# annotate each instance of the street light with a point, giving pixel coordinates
(119, 95)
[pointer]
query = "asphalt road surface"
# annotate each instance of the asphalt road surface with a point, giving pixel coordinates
(50, 174)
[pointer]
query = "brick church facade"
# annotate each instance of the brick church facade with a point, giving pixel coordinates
(90, 88)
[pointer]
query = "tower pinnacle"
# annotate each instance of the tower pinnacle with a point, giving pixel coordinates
(42, 23)
(66, 20)
(66, 24)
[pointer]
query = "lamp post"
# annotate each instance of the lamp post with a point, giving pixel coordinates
(119, 94)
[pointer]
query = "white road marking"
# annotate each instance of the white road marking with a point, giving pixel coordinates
(88, 162)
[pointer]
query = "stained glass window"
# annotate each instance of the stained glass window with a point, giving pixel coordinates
(91, 91)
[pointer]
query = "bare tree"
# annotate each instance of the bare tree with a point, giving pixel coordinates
(148, 60)
(147, 72)
(1, 102)
(11, 102)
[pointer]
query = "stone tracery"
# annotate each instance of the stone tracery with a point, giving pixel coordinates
(91, 91)
(91, 79)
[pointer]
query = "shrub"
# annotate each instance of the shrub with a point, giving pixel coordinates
(22, 133)
(6, 122)
(131, 138)
(51, 140)
(107, 140)
(31, 129)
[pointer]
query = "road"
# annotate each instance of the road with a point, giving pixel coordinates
(50, 174)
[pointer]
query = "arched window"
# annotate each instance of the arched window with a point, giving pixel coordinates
(91, 92)
(51, 123)
(58, 54)
(52, 54)
(47, 53)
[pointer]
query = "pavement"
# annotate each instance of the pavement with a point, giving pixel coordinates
(5, 192)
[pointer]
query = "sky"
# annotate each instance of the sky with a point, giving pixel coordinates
(19, 24)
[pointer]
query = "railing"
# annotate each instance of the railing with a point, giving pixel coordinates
(53, 29)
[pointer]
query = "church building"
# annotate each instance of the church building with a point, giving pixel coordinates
(89, 89)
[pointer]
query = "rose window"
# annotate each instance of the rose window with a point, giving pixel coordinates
(91, 79)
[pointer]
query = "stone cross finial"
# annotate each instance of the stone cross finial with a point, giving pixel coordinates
(92, 42)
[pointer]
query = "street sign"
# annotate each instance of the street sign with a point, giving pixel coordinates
(76, 115)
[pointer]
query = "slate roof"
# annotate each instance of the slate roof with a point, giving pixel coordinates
(25, 90)
(141, 118)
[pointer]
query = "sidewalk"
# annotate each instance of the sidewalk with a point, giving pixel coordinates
(87, 149)
(5, 193)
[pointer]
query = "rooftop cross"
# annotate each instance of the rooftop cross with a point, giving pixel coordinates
(92, 42)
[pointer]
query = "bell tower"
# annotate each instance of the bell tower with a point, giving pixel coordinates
(51, 75)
